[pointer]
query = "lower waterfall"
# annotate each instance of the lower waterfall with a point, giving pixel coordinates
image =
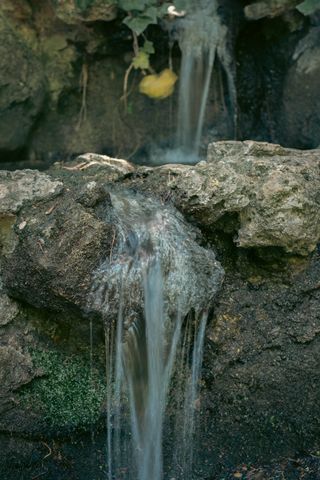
(154, 341)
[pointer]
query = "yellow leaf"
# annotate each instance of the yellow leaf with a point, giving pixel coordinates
(158, 86)
(237, 475)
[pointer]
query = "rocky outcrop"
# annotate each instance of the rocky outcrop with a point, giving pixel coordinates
(272, 190)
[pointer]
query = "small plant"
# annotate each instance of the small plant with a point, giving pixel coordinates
(68, 393)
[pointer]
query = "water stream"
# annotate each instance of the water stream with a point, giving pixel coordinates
(204, 40)
(154, 292)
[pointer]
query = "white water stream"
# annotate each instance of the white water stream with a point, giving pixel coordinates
(153, 354)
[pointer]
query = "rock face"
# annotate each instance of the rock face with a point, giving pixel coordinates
(261, 389)
(301, 93)
(22, 88)
(262, 9)
(262, 356)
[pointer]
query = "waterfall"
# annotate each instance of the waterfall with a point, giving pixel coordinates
(202, 37)
(153, 289)
(204, 42)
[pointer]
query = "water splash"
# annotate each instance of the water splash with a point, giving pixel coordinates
(154, 276)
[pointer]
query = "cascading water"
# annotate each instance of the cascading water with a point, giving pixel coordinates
(154, 278)
(203, 39)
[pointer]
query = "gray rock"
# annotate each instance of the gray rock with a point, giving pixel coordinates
(273, 191)
(21, 186)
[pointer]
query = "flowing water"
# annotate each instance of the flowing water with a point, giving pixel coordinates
(154, 290)
(203, 40)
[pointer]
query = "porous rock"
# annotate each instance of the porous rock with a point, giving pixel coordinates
(272, 190)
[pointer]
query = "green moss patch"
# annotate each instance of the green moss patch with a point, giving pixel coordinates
(69, 393)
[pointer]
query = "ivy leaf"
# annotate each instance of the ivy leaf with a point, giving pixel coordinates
(151, 13)
(180, 4)
(308, 7)
(129, 5)
(138, 24)
(141, 61)
(162, 10)
(148, 47)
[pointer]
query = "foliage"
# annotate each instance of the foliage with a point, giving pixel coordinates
(68, 394)
(309, 6)
(142, 58)
(141, 13)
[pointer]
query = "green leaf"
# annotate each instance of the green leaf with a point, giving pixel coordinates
(148, 47)
(138, 24)
(309, 6)
(151, 13)
(129, 5)
(180, 4)
(141, 61)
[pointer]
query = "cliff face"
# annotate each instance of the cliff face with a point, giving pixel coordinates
(261, 390)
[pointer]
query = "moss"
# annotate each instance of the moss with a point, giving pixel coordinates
(69, 394)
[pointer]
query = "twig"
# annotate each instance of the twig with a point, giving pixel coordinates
(50, 450)
(125, 86)
(84, 78)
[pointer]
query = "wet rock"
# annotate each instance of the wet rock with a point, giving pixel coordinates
(22, 88)
(272, 190)
(301, 103)
(59, 246)
(261, 363)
